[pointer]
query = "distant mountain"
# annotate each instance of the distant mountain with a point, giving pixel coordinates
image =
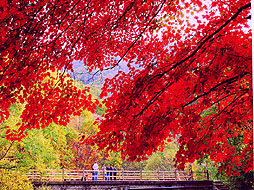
(96, 78)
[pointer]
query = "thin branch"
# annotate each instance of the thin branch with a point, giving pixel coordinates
(228, 81)
(7, 151)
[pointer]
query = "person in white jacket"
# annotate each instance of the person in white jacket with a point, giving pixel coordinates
(95, 171)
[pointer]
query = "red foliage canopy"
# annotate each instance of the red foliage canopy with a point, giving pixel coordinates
(187, 80)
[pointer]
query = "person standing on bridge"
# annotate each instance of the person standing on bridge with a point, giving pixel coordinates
(111, 171)
(95, 171)
(108, 173)
(114, 173)
(104, 170)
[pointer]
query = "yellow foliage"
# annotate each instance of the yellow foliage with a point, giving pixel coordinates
(14, 180)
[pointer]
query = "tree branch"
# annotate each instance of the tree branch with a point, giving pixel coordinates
(228, 81)
(7, 151)
(193, 54)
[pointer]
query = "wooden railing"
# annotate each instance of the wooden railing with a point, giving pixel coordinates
(123, 175)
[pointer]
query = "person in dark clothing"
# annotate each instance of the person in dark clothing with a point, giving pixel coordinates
(110, 173)
(107, 173)
(114, 173)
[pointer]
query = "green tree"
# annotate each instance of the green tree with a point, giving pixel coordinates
(163, 160)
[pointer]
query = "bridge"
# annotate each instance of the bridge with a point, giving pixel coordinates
(122, 180)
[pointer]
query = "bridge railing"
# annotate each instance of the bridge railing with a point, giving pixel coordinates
(110, 175)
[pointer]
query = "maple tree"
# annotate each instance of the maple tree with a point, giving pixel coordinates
(178, 70)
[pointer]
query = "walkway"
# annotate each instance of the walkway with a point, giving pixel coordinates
(123, 175)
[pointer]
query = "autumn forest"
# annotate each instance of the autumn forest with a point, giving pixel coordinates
(138, 84)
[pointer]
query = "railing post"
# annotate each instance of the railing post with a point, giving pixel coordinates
(141, 174)
(87, 176)
(103, 175)
(158, 174)
(123, 174)
(63, 174)
(175, 175)
(83, 175)
(51, 176)
(207, 175)
(191, 173)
